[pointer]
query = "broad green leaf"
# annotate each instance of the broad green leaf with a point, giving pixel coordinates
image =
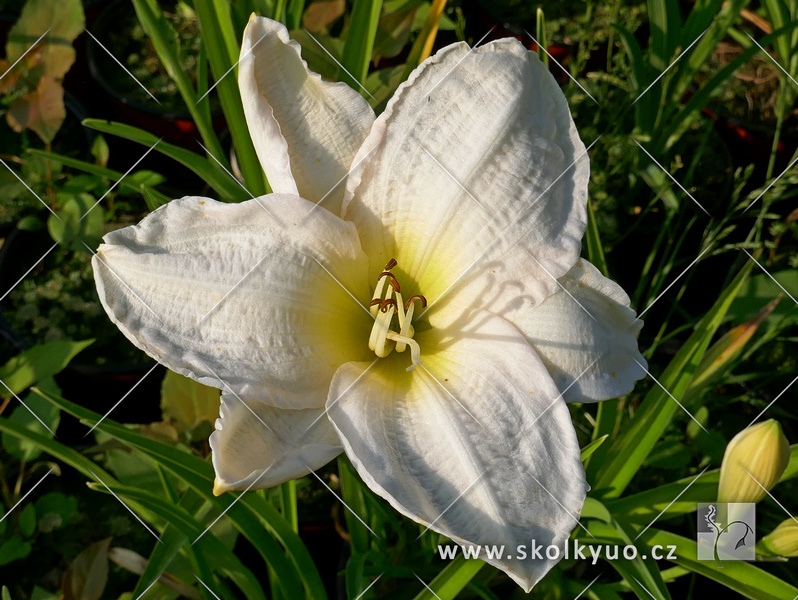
(55, 510)
(14, 548)
(630, 448)
(27, 520)
(739, 576)
(77, 222)
(225, 186)
(63, 21)
(37, 364)
(41, 110)
(86, 577)
(452, 579)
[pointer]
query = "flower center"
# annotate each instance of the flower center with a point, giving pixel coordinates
(386, 303)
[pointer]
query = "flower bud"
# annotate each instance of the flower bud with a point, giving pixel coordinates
(757, 454)
(782, 541)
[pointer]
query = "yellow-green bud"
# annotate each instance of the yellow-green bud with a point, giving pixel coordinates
(760, 453)
(782, 541)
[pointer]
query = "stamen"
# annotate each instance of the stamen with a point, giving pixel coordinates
(386, 303)
(416, 297)
(391, 264)
(392, 280)
(415, 349)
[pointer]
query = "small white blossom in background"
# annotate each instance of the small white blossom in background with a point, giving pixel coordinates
(430, 317)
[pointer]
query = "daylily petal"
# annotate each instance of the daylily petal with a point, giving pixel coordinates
(586, 335)
(233, 297)
(476, 444)
(261, 446)
(476, 166)
(305, 130)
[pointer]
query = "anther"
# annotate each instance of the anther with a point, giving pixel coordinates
(387, 303)
(394, 283)
(416, 297)
(391, 264)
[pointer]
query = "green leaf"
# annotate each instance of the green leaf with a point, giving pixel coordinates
(739, 576)
(132, 184)
(254, 517)
(30, 223)
(65, 21)
(359, 44)
(6, 595)
(164, 39)
(595, 251)
(452, 579)
(188, 403)
(222, 48)
(55, 510)
(27, 520)
(70, 228)
(14, 548)
(225, 186)
(588, 450)
(37, 364)
(86, 577)
(630, 449)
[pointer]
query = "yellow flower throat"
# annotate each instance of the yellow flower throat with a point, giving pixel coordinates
(386, 303)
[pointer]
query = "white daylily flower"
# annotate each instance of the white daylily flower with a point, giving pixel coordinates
(430, 317)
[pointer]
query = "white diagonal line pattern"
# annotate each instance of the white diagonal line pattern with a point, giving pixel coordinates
(24, 54)
(233, 177)
(661, 75)
(337, 183)
(498, 237)
(452, 503)
(663, 292)
(231, 290)
(568, 512)
(341, 395)
(118, 181)
(205, 585)
(10, 391)
(562, 393)
(343, 287)
(563, 288)
(564, 70)
(312, 472)
(132, 512)
(335, 60)
(689, 414)
(470, 50)
(226, 73)
(772, 497)
(773, 60)
(363, 593)
(453, 178)
(644, 587)
(47, 206)
(110, 270)
(247, 406)
(116, 60)
(781, 287)
(428, 587)
(147, 589)
(450, 394)
(772, 183)
(121, 399)
(671, 177)
(35, 485)
(772, 402)
(18, 281)
(587, 587)
(664, 510)
(224, 512)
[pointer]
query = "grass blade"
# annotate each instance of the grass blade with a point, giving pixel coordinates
(360, 42)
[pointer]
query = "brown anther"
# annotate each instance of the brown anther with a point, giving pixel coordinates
(394, 283)
(391, 264)
(386, 303)
(375, 302)
(416, 297)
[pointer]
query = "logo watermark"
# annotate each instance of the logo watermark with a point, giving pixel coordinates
(726, 531)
